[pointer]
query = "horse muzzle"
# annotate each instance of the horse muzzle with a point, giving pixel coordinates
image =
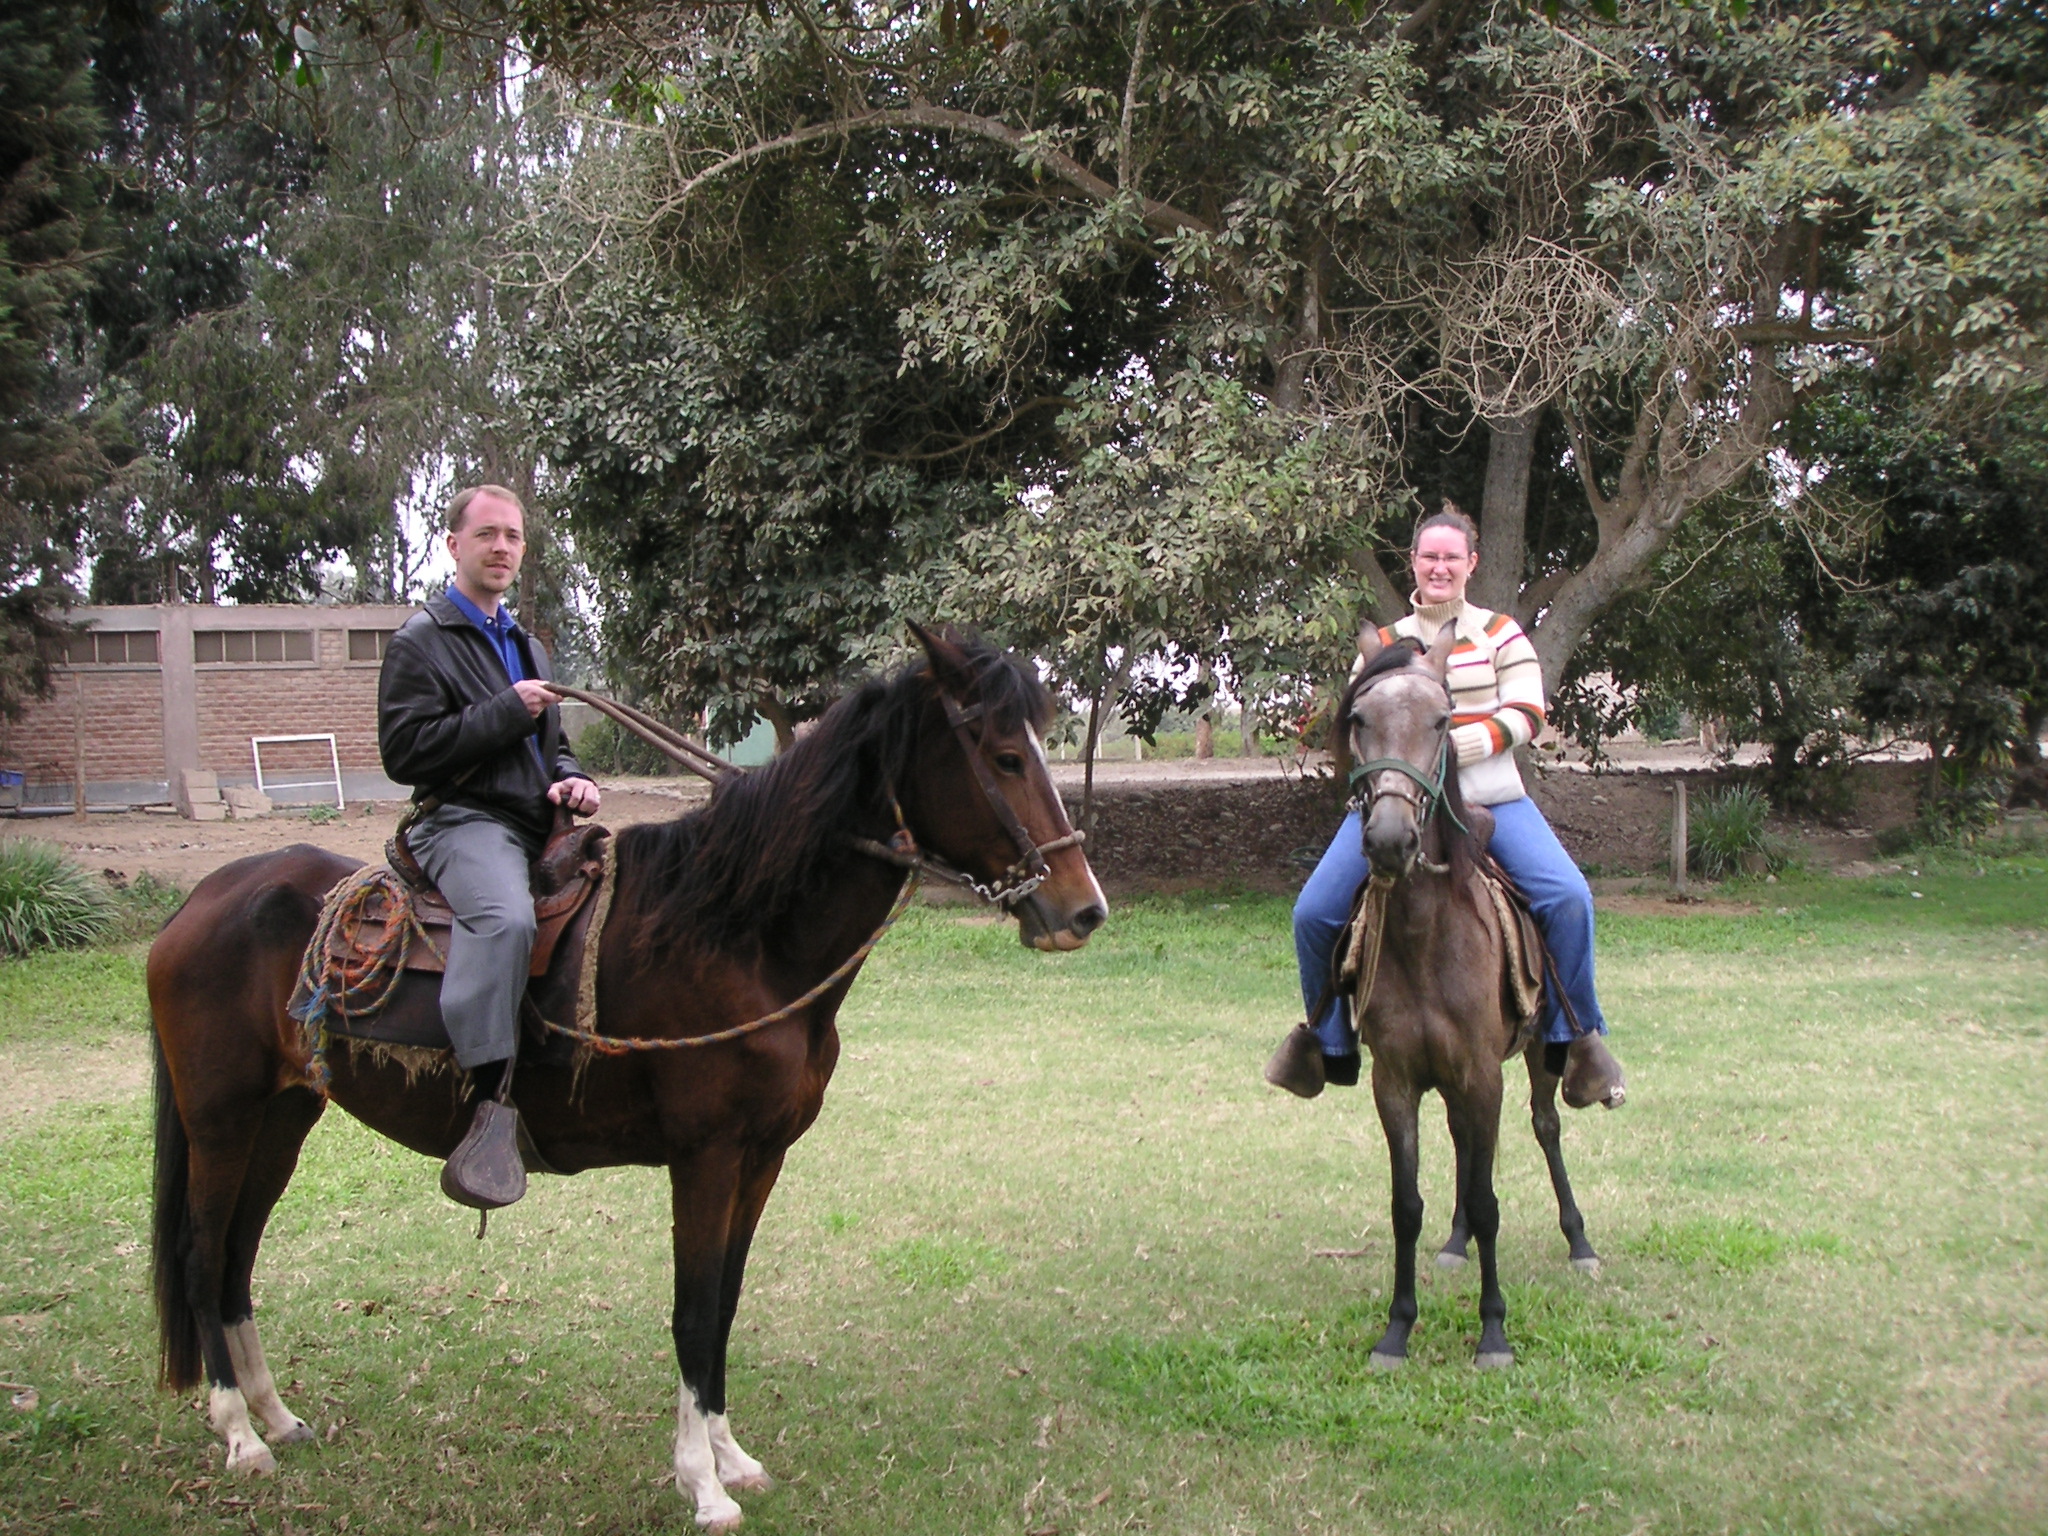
(1393, 841)
(1043, 926)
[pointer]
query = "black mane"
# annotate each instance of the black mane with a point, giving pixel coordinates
(720, 876)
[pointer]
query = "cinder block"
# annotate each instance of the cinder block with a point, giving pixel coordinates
(198, 778)
(204, 811)
(245, 803)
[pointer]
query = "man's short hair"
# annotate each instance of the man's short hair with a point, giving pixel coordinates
(458, 504)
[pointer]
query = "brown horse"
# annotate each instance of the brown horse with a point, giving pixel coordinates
(1436, 1016)
(717, 919)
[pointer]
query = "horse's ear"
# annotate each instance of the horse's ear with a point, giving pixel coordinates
(1439, 655)
(1369, 642)
(949, 662)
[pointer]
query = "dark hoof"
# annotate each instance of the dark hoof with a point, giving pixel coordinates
(1494, 1359)
(1450, 1258)
(1297, 1065)
(1592, 1075)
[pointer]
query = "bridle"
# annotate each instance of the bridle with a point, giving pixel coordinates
(1430, 800)
(1024, 876)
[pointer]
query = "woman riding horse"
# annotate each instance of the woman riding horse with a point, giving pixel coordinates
(1497, 694)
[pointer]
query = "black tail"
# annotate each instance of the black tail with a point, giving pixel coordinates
(178, 1364)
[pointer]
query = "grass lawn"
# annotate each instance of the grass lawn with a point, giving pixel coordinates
(1048, 1263)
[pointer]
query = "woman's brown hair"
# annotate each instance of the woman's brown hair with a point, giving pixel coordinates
(1449, 517)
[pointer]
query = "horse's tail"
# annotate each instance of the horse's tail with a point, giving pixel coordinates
(178, 1360)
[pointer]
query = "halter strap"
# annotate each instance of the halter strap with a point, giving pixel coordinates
(1025, 875)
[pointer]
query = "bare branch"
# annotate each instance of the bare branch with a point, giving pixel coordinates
(1164, 218)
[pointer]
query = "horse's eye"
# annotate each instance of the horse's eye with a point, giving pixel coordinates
(1010, 762)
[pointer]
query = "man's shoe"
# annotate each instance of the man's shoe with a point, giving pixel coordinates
(486, 1172)
(1592, 1075)
(1298, 1065)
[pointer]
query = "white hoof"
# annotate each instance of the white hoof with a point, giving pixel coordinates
(1382, 1362)
(1587, 1266)
(748, 1482)
(297, 1433)
(252, 1461)
(1494, 1360)
(719, 1516)
(1445, 1259)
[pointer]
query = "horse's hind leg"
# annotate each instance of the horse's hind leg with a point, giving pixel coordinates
(1544, 1118)
(286, 1120)
(1452, 1255)
(1475, 1126)
(1398, 1101)
(217, 1170)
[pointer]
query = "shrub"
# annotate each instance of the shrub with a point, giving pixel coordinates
(46, 901)
(1727, 833)
(603, 747)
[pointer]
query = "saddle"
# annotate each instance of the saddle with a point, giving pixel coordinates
(1355, 963)
(563, 879)
(387, 922)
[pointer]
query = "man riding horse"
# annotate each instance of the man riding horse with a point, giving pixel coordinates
(465, 718)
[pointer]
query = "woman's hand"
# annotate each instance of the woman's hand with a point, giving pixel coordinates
(1472, 743)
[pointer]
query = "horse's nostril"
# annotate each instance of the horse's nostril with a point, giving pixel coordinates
(1089, 918)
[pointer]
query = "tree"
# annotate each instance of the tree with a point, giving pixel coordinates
(1652, 235)
(52, 449)
(1189, 531)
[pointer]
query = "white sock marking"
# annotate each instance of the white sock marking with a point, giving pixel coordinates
(697, 1465)
(736, 1469)
(228, 1411)
(259, 1389)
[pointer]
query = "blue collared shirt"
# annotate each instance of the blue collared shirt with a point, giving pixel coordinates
(503, 631)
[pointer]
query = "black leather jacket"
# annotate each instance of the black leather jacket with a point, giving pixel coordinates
(444, 706)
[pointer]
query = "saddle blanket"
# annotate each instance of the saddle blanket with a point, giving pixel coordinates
(376, 928)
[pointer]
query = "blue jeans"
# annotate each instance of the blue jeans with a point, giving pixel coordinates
(1531, 854)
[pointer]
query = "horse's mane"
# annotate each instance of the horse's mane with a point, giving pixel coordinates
(773, 838)
(1461, 849)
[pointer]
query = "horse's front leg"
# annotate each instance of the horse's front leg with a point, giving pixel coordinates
(705, 1196)
(1398, 1100)
(736, 1469)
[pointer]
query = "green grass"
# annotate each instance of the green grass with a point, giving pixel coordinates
(1049, 1260)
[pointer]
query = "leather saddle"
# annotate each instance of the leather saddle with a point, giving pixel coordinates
(564, 878)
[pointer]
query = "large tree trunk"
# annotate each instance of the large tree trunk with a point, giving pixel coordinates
(1504, 511)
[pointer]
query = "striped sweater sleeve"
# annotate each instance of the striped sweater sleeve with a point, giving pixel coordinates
(1518, 683)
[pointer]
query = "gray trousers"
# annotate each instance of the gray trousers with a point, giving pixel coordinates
(480, 865)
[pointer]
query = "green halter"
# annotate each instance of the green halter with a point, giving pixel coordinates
(1432, 786)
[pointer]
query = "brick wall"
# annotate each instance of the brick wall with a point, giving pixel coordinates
(234, 703)
(124, 728)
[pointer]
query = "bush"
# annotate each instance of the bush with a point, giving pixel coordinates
(1728, 835)
(603, 747)
(46, 901)
(1960, 806)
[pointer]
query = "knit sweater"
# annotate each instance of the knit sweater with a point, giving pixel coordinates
(1496, 693)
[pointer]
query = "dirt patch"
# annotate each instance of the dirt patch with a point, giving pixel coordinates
(34, 1081)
